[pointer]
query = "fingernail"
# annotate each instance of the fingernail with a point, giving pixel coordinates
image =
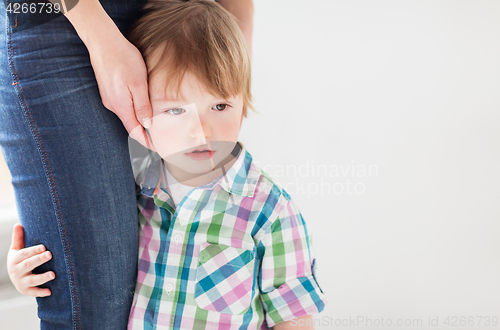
(47, 254)
(52, 275)
(147, 123)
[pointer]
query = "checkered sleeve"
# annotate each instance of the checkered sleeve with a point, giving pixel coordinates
(287, 277)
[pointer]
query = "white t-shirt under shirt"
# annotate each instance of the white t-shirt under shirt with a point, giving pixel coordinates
(176, 189)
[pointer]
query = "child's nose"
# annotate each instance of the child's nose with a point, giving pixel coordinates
(200, 129)
(207, 128)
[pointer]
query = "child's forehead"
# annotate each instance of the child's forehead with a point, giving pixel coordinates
(189, 86)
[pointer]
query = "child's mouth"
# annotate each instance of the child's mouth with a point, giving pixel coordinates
(200, 154)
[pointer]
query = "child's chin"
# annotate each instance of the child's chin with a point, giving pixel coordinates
(195, 166)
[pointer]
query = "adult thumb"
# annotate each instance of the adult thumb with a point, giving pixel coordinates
(142, 104)
(17, 238)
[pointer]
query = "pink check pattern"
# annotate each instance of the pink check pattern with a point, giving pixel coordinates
(234, 254)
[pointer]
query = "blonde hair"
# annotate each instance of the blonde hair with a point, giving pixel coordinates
(198, 36)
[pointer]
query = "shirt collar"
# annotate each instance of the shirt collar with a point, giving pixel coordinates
(241, 178)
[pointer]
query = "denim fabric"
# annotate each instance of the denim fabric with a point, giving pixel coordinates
(71, 172)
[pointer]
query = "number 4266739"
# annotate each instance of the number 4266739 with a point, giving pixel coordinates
(33, 8)
(455, 321)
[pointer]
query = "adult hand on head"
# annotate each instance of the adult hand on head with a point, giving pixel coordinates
(118, 65)
(121, 75)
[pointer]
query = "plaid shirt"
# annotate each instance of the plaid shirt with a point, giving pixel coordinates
(235, 254)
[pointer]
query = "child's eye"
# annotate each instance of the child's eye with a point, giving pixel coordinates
(221, 106)
(176, 111)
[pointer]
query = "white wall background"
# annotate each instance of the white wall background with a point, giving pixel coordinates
(410, 88)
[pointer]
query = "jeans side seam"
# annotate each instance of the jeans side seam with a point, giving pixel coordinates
(50, 179)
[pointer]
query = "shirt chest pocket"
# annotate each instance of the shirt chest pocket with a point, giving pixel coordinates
(224, 278)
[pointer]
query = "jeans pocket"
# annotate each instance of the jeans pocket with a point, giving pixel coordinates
(224, 278)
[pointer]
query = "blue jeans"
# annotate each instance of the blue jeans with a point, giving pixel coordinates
(71, 172)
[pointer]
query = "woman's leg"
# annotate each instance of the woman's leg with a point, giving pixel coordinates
(73, 181)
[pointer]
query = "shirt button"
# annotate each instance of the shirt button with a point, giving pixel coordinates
(169, 287)
(178, 238)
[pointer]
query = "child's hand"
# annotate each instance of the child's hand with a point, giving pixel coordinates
(20, 263)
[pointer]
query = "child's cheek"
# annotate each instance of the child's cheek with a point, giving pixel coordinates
(228, 130)
(167, 138)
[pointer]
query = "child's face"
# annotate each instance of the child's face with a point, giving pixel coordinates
(201, 121)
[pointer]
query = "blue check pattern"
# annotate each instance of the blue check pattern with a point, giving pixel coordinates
(234, 254)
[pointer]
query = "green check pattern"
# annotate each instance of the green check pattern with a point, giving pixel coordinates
(234, 254)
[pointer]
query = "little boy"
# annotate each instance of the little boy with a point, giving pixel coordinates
(221, 245)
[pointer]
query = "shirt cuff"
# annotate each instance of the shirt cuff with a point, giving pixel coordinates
(295, 298)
